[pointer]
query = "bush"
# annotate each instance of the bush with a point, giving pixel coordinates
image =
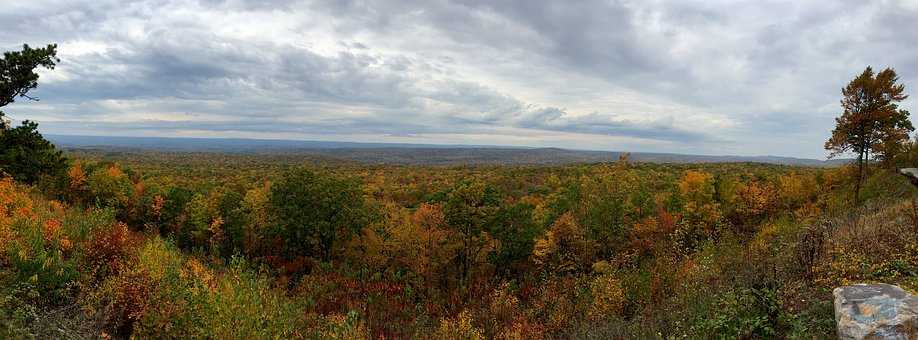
(742, 313)
(608, 298)
(109, 251)
(458, 328)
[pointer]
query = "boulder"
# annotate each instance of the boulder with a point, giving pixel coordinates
(911, 173)
(875, 311)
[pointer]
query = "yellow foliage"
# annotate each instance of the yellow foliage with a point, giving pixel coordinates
(156, 259)
(194, 269)
(765, 237)
(76, 176)
(564, 247)
(255, 203)
(459, 328)
(216, 232)
(795, 190)
(697, 188)
(755, 199)
(503, 308)
(608, 297)
(341, 327)
(603, 267)
(808, 210)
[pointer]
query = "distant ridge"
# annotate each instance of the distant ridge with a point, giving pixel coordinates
(404, 153)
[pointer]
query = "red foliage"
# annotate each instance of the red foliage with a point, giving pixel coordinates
(109, 251)
(384, 303)
(130, 300)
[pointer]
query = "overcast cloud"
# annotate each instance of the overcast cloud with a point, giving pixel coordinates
(712, 77)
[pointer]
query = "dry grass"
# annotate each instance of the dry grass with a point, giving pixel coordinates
(877, 242)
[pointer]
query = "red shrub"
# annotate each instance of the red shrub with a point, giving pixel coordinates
(109, 251)
(130, 299)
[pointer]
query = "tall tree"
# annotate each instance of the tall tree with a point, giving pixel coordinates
(317, 211)
(27, 156)
(24, 153)
(469, 208)
(17, 73)
(871, 120)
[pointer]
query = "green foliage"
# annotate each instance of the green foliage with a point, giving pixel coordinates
(27, 156)
(24, 153)
(516, 231)
(468, 209)
(230, 208)
(17, 71)
(191, 302)
(18, 309)
(109, 186)
(316, 211)
(743, 313)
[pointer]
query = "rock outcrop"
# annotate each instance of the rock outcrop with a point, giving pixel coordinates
(875, 311)
(911, 173)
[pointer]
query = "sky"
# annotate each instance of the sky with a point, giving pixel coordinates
(702, 77)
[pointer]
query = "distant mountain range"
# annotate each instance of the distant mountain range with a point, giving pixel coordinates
(403, 153)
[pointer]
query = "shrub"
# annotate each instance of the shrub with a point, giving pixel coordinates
(458, 328)
(608, 298)
(742, 313)
(339, 326)
(109, 251)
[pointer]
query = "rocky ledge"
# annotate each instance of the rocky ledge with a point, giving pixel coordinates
(875, 311)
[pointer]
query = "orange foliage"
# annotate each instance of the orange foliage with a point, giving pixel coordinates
(57, 207)
(131, 299)
(114, 171)
(429, 216)
(108, 251)
(157, 207)
(50, 229)
(13, 201)
(564, 247)
(755, 199)
(77, 177)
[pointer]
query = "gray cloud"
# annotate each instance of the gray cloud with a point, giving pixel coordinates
(688, 76)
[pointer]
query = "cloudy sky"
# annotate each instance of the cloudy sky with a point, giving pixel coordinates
(711, 77)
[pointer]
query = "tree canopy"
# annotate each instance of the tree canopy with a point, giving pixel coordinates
(17, 72)
(24, 153)
(314, 211)
(871, 119)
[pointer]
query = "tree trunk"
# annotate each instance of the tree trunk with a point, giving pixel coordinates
(860, 175)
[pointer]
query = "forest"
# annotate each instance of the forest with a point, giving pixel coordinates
(156, 244)
(98, 244)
